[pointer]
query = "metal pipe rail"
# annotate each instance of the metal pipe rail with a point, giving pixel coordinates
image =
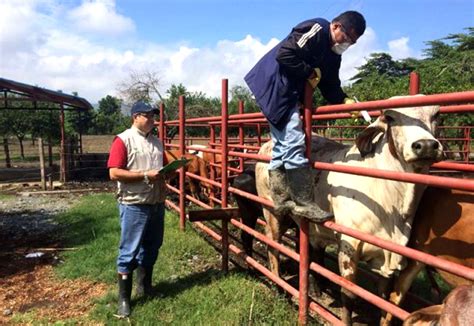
(326, 111)
(265, 271)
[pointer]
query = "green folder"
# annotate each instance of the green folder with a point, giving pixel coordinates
(176, 164)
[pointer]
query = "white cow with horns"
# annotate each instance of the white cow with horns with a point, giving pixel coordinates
(399, 140)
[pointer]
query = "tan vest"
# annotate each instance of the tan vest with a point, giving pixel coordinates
(144, 152)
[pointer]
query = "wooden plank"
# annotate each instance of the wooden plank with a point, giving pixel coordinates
(56, 192)
(213, 214)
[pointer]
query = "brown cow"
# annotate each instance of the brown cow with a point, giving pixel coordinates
(443, 228)
(195, 166)
(211, 158)
(456, 310)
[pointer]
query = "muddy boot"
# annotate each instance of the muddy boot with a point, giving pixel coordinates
(144, 275)
(301, 189)
(280, 192)
(125, 292)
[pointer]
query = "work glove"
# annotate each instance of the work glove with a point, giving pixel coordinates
(349, 100)
(316, 78)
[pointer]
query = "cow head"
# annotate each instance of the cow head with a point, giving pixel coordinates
(409, 133)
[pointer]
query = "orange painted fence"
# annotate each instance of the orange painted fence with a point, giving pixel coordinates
(232, 149)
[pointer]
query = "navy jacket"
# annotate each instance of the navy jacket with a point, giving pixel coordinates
(277, 80)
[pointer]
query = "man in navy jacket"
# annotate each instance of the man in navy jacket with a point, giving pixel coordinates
(310, 53)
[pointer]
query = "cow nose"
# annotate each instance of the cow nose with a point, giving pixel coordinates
(425, 147)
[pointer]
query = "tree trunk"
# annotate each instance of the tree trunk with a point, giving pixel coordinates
(22, 150)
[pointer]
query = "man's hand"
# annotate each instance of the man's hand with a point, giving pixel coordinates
(152, 175)
(315, 78)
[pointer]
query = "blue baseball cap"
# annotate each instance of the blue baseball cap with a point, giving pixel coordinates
(142, 107)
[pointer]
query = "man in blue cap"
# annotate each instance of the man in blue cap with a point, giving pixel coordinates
(311, 53)
(136, 156)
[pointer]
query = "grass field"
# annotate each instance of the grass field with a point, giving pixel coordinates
(195, 291)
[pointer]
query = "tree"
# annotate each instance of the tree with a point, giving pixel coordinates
(109, 119)
(242, 93)
(143, 86)
(447, 67)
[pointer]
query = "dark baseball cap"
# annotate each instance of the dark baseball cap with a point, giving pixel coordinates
(142, 107)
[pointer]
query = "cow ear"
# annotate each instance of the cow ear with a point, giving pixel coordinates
(366, 140)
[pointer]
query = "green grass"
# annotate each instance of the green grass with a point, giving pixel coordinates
(187, 273)
(6, 197)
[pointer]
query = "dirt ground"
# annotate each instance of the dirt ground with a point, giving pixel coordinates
(27, 228)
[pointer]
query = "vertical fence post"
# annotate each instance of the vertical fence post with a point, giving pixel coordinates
(304, 225)
(182, 172)
(467, 144)
(212, 137)
(259, 135)
(241, 136)
(224, 153)
(414, 83)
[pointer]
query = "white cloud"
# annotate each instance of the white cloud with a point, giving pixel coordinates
(100, 16)
(399, 48)
(357, 55)
(43, 51)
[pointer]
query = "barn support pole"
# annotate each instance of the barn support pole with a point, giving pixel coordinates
(50, 145)
(42, 165)
(80, 134)
(304, 225)
(182, 172)
(241, 136)
(414, 83)
(62, 173)
(224, 152)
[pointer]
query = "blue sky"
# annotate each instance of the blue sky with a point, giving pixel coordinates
(207, 21)
(90, 46)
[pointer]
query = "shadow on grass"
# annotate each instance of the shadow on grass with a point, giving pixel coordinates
(172, 288)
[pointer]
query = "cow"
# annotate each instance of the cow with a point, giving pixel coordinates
(196, 166)
(457, 309)
(214, 158)
(442, 228)
(399, 140)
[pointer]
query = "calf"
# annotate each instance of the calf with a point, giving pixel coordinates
(443, 228)
(196, 166)
(399, 140)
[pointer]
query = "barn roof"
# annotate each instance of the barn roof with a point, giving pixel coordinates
(39, 94)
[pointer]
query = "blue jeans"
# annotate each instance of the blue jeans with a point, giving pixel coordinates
(289, 144)
(141, 236)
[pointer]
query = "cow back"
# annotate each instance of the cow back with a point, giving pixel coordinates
(443, 228)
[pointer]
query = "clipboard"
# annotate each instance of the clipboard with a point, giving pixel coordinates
(176, 164)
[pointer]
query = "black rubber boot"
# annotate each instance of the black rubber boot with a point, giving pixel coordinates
(125, 292)
(301, 184)
(144, 275)
(279, 190)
